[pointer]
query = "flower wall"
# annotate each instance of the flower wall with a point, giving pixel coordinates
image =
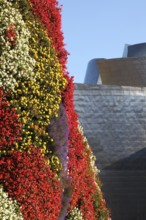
(47, 169)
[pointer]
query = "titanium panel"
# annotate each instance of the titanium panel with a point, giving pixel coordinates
(92, 73)
(123, 71)
(114, 122)
(137, 50)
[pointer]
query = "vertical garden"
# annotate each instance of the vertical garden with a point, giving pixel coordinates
(47, 169)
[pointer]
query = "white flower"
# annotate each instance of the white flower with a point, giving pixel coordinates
(91, 156)
(15, 62)
(9, 208)
(75, 214)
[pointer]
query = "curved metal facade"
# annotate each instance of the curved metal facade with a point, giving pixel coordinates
(92, 73)
(129, 70)
(118, 71)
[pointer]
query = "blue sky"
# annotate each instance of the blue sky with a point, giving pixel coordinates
(100, 29)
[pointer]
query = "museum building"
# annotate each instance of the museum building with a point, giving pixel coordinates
(111, 105)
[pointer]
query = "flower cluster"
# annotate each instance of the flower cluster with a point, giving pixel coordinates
(83, 182)
(99, 203)
(86, 193)
(11, 35)
(15, 60)
(58, 131)
(92, 158)
(9, 208)
(46, 163)
(48, 12)
(37, 101)
(10, 126)
(75, 214)
(28, 179)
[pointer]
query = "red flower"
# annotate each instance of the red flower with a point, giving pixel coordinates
(10, 125)
(28, 179)
(11, 35)
(49, 14)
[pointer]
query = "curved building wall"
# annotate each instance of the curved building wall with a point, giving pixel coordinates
(118, 71)
(114, 121)
(92, 67)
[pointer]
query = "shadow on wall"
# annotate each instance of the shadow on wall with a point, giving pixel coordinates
(125, 187)
(136, 161)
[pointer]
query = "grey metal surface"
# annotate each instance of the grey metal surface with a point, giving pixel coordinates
(113, 118)
(137, 50)
(92, 72)
(125, 193)
(114, 122)
(123, 71)
(125, 51)
(129, 71)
